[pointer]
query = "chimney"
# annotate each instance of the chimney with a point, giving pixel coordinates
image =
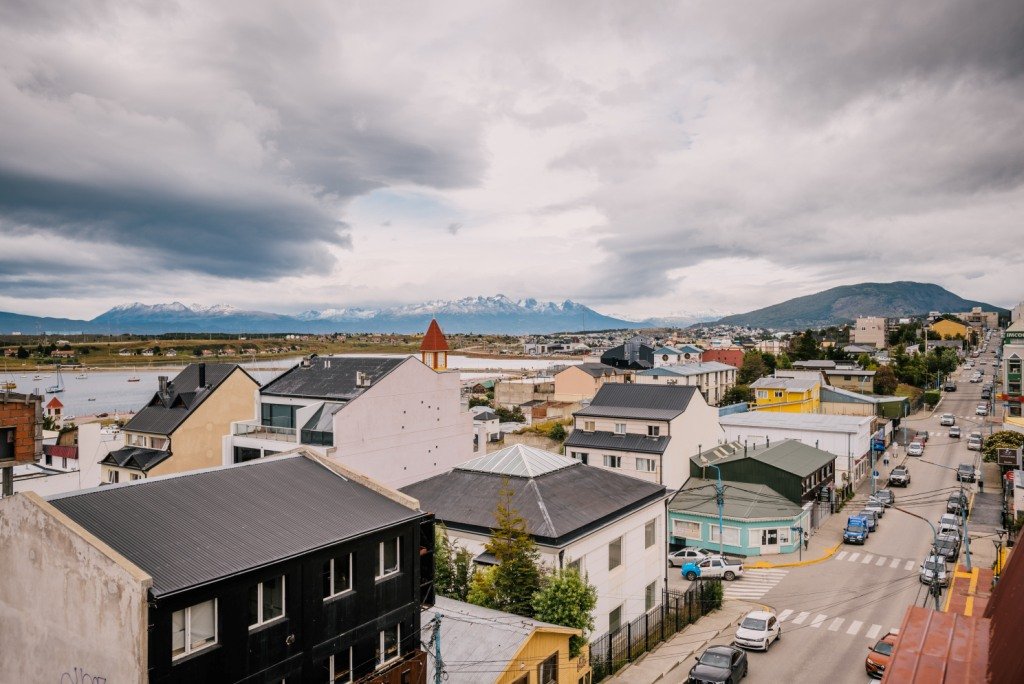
(163, 385)
(202, 375)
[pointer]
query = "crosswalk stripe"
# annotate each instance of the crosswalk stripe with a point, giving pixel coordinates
(818, 619)
(841, 555)
(785, 614)
(909, 565)
(836, 624)
(853, 557)
(895, 563)
(854, 627)
(867, 558)
(799, 619)
(881, 561)
(873, 632)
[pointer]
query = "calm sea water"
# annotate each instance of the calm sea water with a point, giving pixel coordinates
(110, 391)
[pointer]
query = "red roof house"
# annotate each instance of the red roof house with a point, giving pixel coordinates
(434, 348)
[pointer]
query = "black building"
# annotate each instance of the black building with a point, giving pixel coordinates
(635, 354)
(286, 569)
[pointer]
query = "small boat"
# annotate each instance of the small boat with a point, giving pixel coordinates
(91, 399)
(81, 376)
(59, 387)
(37, 377)
(134, 378)
(8, 385)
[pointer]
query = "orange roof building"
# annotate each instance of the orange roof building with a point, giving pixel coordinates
(54, 407)
(434, 348)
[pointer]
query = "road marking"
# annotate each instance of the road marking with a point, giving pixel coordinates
(841, 555)
(785, 614)
(799, 619)
(836, 624)
(909, 565)
(854, 627)
(881, 561)
(818, 620)
(873, 632)
(853, 557)
(895, 563)
(867, 559)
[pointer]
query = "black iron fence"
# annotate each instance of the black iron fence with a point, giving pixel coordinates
(613, 650)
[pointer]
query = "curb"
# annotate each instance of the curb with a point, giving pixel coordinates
(761, 565)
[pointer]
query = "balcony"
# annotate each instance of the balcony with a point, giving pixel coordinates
(254, 429)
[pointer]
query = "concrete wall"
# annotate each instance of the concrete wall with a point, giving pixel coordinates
(71, 608)
(405, 428)
(511, 393)
(93, 446)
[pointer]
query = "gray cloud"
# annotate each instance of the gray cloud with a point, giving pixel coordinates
(454, 228)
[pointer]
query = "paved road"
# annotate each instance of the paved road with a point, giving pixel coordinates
(832, 612)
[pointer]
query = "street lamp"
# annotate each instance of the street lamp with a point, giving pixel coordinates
(999, 555)
(720, 500)
(934, 588)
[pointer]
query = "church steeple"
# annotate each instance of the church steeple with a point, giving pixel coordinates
(434, 349)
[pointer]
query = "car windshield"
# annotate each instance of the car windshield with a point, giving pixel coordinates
(934, 565)
(714, 659)
(884, 648)
(753, 623)
(899, 470)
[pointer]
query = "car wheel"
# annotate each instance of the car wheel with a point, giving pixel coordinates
(730, 575)
(691, 575)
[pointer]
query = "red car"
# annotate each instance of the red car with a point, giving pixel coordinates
(881, 654)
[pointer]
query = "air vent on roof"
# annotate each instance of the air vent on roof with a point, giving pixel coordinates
(362, 379)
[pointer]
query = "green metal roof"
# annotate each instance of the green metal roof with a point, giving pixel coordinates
(742, 501)
(791, 456)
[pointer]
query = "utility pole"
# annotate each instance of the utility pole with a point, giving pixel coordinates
(967, 537)
(436, 638)
(720, 500)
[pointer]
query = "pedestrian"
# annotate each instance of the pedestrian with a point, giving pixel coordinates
(807, 540)
(885, 460)
(981, 484)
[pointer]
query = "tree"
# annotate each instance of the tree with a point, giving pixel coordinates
(737, 394)
(783, 362)
(753, 367)
(507, 416)
(22, 352)
(864, 360)
(770, 362)
(453, 566)
(569, 600)
(478, 401)
(557, 432)
(1004, 439)
(515, 577)
(806, 347)
(885, 381)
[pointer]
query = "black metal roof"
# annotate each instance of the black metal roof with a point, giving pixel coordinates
(558, 506)
(192, 529)
(485, 415)
(166, 411)
(139, 458)
(596, 370)
(609, 441)
(655, 402)
(332, 377)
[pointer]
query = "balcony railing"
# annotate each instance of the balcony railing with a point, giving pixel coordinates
(280, 434)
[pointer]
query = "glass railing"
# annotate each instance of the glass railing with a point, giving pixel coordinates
(265, 431)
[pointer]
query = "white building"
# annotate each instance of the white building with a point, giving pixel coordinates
(69, 468)
(391, 418)
(669, 356)
(611, 527)
(645, 431)
(869, 330)
(712, 378)
(848, 437)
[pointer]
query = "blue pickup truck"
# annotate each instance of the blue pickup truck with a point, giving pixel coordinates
(856, 530)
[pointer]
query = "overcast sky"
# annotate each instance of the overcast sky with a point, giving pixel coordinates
(643, 158)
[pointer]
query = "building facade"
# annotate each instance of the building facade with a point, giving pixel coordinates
(869, 330)
(581, 382)
(1013, 359)
(712, 379)
(788, 392)
(21, 434)
(729, 355)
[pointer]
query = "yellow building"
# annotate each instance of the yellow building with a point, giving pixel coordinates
(788, 392)
(183, 425)
(480, 645)
(949, 329)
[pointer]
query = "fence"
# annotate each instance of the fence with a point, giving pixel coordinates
(613, 650)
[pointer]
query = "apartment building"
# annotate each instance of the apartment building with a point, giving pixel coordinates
(711, 378)
(869, 330)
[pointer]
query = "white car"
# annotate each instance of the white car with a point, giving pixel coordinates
(947, 419)
(715, 566)
(915, 449)
(759, 629)
(682, 556)
(982, 410)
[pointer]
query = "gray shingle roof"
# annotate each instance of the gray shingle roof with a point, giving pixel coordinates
(140, 458)
(655, 402)
(192, 529)
(558, 506)
(596, 370)
(609, 441)
(332, 377)
(164, 413)
(486, 415)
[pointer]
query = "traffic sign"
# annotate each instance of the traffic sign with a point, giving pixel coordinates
(874, 473)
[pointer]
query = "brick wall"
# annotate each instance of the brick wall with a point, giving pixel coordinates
(24, 417)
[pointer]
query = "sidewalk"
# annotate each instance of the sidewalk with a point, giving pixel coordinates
(671, 661)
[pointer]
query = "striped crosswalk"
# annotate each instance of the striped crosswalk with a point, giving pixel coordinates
(879, 561)
(753, 584)
(831, 623)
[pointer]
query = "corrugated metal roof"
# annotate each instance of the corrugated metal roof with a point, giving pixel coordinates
(790, 455)
(518, 460)
(687, 369)
(742, 501)
(165, 412)
(940, 648)
(486, 415)
(655, 402)
(191, 529)
(796, 384)
(611, 441)
(60, 451)
(333, 377)
(819, 422)
(557, 506)
(830, 393)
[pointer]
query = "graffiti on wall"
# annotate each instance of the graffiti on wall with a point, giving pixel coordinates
(80, 676)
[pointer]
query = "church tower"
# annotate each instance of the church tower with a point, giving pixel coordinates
(434, 349)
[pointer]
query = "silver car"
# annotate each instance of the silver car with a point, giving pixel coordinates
(934, 568)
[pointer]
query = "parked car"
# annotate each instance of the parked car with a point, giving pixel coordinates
(899, 477)
(881, 655)
(950, 386)
(715, 566)
(683, 556)
(921, 436)
(915, 449)
(718, 665)
(965, 472)
(759, 629)
(947, 419)
(856, 530)
(886, 497)
(871, 517)
(947, 546)
(875, 505)
(975, 442)
(949, 520)
(956, 503)
(981, 410)
(934, 568)
(954, 431)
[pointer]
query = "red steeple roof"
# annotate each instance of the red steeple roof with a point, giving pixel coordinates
(55, 403)
(434, 340)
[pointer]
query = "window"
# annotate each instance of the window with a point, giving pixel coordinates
(135, 477)
(686, 529)
(653, 430)
(337, 575)
(778, 394)
(762, 394)
(266, 601)
(650, 595)
(615, 619)
(615, 554)
(576, 565)
(585, 679)
(612, 461)
(49, 460)
(588, 426)
(651, 533)
(193, 628)
(388, 647)
(277, 415)
(620, 428)
(387, 558)
(338, 667)
(243, 454)
(646, 465)
(731, 535)
(63, 463)
(581, 456)
(547, 671)
(113, 477)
